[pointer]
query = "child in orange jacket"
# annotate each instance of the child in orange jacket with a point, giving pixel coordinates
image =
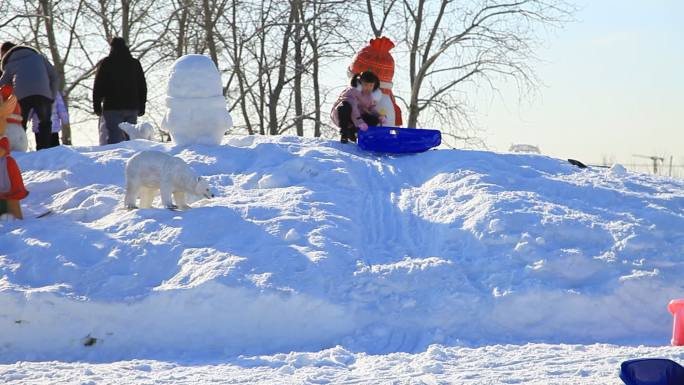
(12, 188)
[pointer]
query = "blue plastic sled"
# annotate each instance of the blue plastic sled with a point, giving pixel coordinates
(651, 371)
(397, 140)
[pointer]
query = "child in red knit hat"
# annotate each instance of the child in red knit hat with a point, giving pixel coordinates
(355, 108)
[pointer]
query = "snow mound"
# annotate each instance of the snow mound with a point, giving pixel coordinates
(311, 244)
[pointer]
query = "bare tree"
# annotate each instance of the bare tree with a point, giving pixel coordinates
(271, 53)
(453, 45)
(235, 48)
(263, 62)
(298, 37)
(277, 85)
(386, 7)
(327, 30)
(211, 11)
(52, 29)
(180, 32)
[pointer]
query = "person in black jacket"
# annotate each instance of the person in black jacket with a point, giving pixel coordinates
(119, 92)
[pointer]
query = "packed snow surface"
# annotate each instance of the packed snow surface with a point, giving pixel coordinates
(311, 244)
(531, 364)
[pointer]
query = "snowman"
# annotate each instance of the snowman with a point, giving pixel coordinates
(196, 108)
(377, 58)
(14, 130)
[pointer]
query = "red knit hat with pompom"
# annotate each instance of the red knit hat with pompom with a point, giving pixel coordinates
(376, 58)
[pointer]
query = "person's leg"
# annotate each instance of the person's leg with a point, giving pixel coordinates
(43, 109)
(112, 118)
(102, 130)
(344, 117)
(352, 133)
(130, 116)
(27, 104)
(54, 139)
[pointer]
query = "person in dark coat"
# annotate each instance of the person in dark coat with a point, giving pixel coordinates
(119, 92)
(35, 83)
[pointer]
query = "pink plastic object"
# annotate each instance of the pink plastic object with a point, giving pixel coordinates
(676, 307)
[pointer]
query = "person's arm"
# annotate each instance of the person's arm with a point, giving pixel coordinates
(98, 88)
(142, 89)
(7, 76)
(61, 109)
(52, 75)
(34, 121)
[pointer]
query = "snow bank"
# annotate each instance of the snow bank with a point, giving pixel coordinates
(311, 244)
(531, 364)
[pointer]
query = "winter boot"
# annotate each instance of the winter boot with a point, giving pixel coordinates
(343, 136)
(352, 134)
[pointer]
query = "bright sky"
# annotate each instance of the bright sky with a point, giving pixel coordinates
(613, 86)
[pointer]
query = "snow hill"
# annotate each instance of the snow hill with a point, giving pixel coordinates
(311, 244)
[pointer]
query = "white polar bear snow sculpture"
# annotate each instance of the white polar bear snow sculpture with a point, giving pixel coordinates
(138, 131)
(196, 108)
(149, 171)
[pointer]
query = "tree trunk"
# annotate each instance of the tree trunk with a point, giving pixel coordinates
(274, 95)
(237, 60)
(57, 62)
(299, 67)
(181, 41)
(209, 31)
(125, 16)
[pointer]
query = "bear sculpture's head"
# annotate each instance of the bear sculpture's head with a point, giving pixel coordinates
(202, 188)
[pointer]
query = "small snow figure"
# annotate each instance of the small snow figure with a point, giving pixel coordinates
(12, 188)
(150, 171)
(14, 131)
(196, 108)
(138, 131)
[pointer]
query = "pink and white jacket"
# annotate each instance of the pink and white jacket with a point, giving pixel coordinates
(360, 104)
